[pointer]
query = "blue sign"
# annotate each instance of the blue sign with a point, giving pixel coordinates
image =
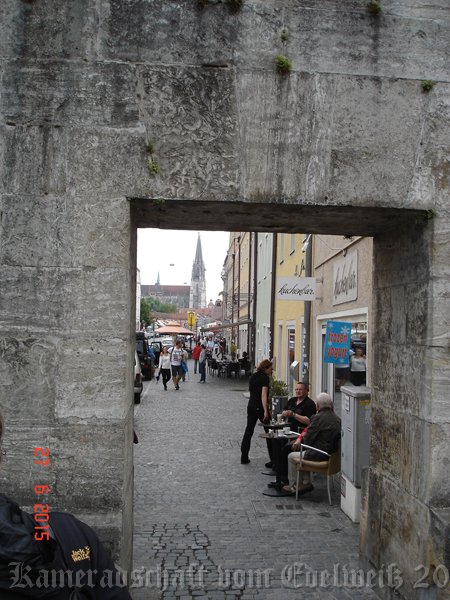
(337, 342)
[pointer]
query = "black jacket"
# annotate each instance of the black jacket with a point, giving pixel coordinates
(49, 569)
(324, 433)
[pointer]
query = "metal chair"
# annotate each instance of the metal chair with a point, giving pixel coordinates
(329, 466)
(222, 369)
(212, 365)
(245, 366)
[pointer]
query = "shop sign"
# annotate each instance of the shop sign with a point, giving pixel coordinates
(296, 288)
(338, 337)
(345, 278)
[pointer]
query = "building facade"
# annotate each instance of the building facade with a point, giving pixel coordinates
(239, 293)
(263, 286)
(288, 314)
(168, 294)
(343, 271)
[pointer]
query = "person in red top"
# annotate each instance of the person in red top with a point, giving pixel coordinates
(196, 355)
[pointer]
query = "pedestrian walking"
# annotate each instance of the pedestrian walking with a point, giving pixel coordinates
(195, 355)
(164, 366)
(176, 356)
(202, 364)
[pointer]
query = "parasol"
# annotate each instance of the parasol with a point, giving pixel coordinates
(174, 330)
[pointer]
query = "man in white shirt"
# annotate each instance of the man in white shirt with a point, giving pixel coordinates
(176, 356)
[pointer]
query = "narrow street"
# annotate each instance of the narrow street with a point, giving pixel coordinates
(203, 528)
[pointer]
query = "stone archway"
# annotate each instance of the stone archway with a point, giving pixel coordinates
(347, 139)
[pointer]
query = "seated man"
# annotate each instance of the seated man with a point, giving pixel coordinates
(300, 408)
(324, 432)
(298, 412)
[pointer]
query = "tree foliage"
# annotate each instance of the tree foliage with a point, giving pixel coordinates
(146, 311)
(156, 305)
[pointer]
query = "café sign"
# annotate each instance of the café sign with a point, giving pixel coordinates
(345, 278)
(296, 288)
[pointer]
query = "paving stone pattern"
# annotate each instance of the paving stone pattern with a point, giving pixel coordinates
(202, 527)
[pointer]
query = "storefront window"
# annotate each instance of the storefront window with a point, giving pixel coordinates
(354, 372)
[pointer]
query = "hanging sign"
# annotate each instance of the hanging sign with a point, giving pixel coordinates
(337, 342)
(296, 288)
(345, 278)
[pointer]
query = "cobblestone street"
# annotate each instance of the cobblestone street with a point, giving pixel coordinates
(203, 528)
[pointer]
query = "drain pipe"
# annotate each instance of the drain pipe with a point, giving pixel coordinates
(272, 294)
(307, 314)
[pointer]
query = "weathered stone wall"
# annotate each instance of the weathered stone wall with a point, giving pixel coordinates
(338, 145)
(406, 508)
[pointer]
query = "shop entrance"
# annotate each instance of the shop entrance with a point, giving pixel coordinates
(329, 377)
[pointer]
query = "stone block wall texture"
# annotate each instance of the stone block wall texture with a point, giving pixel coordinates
(347, 142)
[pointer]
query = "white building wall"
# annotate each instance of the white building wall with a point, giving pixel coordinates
(264, 290)
(138, 299)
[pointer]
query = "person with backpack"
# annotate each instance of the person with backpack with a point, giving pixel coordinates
(64, 561)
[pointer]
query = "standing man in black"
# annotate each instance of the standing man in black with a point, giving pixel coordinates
(257, 406)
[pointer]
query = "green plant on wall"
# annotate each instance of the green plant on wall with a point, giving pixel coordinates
(284, 35)
(428, 215)
(153, 167)
(283, 64)
(159, 203)
(428, 85)
(150, 147)
(374, 7)
(236, 4)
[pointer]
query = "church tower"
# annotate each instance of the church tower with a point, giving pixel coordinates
(197, 296)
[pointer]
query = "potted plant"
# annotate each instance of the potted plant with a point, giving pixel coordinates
(278, 395)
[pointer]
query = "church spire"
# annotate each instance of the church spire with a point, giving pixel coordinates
(197, 297)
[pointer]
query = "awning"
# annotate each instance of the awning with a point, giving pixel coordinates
(227, 326)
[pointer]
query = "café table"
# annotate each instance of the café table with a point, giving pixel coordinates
(227, 367)
(278, 442)
(275, 425)
(233, 367)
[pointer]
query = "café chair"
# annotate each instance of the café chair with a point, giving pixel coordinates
(245, 365)
(212, 366)
(329, 466)
(222, 369)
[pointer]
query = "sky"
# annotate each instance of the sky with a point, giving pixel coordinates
(172, 253)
